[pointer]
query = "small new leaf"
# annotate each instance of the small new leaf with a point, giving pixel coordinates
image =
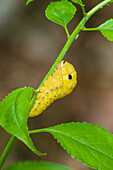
(91, 144)
(27, 165)
(14, 110)
(60, 12)
(107, 29)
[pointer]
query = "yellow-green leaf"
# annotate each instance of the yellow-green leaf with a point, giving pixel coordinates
(60, 12)
(91, 144)
(107, 29)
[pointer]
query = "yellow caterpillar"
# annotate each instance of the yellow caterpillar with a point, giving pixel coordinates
(59, 84)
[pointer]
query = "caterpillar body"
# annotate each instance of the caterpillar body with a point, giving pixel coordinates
(59, 84)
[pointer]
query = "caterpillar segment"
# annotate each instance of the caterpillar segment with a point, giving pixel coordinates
(59, 84)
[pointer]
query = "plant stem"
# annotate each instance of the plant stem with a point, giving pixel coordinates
(65, 49)
(90, 29)
(72, 37)
(97, 7)
(67, 32)
(83, 10)
(38, 131)
(7, 150)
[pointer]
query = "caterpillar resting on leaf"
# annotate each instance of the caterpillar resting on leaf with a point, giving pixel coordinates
(59, 84)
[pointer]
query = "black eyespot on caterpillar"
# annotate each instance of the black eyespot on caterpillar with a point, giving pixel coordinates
(69, 76)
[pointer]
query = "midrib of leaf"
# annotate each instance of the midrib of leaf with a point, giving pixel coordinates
(82, 143)
(68, 147)
(60, 17)
(14, 106)
(105, 29)
(90, 153)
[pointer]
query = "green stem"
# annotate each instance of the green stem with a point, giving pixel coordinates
(38, 131)
(72, 37)
(97, 7)
(90, 29)
(64, 50)
(83, 10)
(7, 150)
(67, 32)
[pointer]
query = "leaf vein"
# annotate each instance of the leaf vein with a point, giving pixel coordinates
(81, 143)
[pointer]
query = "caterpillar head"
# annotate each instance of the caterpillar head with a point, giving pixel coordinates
(69, 76)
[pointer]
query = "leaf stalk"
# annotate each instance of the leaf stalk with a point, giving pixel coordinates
(90, 29)
(67, 32)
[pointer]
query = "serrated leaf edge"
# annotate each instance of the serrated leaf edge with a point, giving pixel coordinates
(65, 148)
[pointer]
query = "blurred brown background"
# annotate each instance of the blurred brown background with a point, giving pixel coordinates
(29, 44)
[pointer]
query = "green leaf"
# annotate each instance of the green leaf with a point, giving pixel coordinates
(78, 2)
(60, 12)
(107, 29)
(28, 1)
(14, 110)
(27, 165)
(91, 144)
